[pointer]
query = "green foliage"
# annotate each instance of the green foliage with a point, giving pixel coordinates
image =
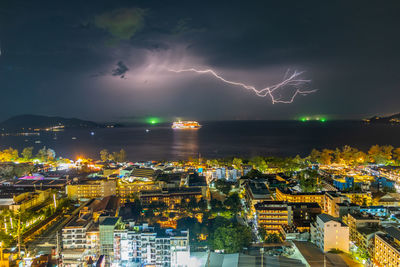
(223, 186)
(352, 156)
(9, 154)
(272, 238)
(6, 239)
(232, 202)
(114, 156)
(237, 163)
(27, 153)
(231, 238)
(104, 155)
(262, 232)
(309, 181)
(259, 164)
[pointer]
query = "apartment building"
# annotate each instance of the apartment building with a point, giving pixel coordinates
(143, 245)
(294, 196)
(77, 244)
(387, 248)
(271, 215)
(91, 189)
(328, 233)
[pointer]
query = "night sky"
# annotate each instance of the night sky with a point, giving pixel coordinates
(110, 60)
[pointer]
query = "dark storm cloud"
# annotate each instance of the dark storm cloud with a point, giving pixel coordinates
(121, 23)
(348, 48)
(120, 70)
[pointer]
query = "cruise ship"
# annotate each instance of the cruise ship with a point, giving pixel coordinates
(186, 125)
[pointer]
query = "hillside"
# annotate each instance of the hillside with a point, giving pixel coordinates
(21, 122)
(388, 119)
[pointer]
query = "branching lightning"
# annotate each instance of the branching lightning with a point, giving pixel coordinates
(292, 79)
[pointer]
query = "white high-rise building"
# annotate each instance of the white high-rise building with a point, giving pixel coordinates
(329, 232)
(140, 246)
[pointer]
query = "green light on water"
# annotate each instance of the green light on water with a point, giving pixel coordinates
(303, 119)
(322, 120)
(152, 120)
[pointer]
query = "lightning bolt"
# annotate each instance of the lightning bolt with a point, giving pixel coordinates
(290, 79)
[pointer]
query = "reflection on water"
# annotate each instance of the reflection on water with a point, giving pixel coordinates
(214, 139)
(185, 143)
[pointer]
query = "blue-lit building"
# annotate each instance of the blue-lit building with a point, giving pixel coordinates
(375, 210)
(219, 173)
(346, 183)
(383, 182)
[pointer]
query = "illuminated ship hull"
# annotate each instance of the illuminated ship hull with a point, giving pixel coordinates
(186, 125)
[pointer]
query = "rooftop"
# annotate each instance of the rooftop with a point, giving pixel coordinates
(393, 232)
(326, 217)
(258, 190)
(110, 221)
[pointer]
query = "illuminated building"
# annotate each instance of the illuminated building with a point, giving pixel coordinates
(143, 174)
(106, 229)
(346, 183)
(75, 246)
(342, 209)
(388, 200)
(362, 199)
(387, 248)
(380, 211)
(361, 229)
(127, 190)
(110, 171)
(170, 196)
(126, 172)
(271, 215)
(331, 199)
(328, 232)
(29, 200)
(145, 246)
(91, 189)
(301, 215)
(293, 196)
(256, 193)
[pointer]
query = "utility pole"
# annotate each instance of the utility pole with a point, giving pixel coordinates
(19, 233)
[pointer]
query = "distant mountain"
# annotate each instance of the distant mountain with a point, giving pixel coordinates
(388, 119)
(26, 122)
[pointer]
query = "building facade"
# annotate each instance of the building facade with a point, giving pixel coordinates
(91, 189)
(328, 233)
(387, 249)
(146, 246)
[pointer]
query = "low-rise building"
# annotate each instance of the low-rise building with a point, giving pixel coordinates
(30, 200)
(331, 199)
(256, 192)
(91, 189)
(128, 190)
(301, 215)
(342, 209)
(294, 196)
(171, 196)
(328, 233)
(346, 183)
(362, 199)
(362, 226)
